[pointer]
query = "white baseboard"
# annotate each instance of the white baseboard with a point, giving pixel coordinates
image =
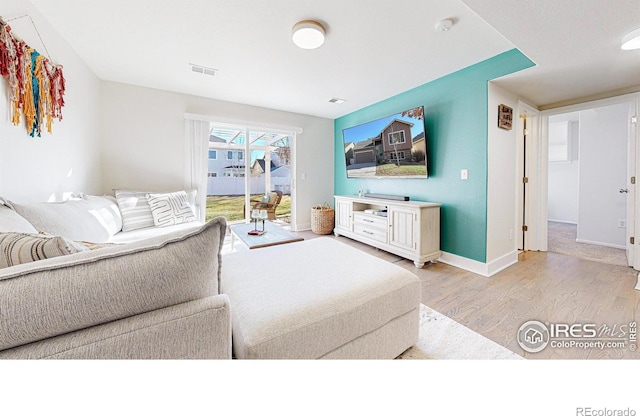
(303, 227)
(598, 243)
(502, 263)
(477, 267)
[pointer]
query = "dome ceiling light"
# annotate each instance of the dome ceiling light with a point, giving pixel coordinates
(308, 34)
(631, 41)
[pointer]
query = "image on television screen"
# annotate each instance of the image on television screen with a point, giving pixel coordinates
(390, 147)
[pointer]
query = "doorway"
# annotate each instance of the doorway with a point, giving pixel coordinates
(587, 196)
(250, 166)
(589, 175)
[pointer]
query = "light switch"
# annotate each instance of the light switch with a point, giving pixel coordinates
(464, 174)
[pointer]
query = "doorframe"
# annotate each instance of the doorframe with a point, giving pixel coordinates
(535, 203)
(543, 168)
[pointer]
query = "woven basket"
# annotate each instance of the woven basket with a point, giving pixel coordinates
(322, 219)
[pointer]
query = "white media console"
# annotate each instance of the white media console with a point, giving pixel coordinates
(409, 229)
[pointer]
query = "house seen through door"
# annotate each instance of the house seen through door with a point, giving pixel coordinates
(246, 166)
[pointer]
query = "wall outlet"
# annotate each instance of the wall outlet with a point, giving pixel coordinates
(464, 174)
(511, 234)
(622, 224)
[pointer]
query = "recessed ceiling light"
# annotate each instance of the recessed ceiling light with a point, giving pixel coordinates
(203, 69)
(337, 100)
(308, 34)
(631, 40)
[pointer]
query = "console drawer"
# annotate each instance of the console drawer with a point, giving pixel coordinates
(369, 220)
(370, 232)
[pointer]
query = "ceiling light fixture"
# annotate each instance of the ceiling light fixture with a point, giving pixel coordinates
(631, 40)
(308, 34)
(444, 25)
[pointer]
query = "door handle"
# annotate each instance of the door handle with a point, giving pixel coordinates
(623, 191)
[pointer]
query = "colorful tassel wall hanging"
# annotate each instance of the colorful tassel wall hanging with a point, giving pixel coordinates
(36, 85)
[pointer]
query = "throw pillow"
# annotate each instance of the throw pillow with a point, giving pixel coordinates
(170, 209)
(19, 248)
(135, 210)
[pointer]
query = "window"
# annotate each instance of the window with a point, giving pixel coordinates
(212, 174)
(563, 141)
(398, 156)
(235, 154)
(213, 154)
(396, 137)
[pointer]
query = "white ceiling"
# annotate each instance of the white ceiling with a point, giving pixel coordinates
(374, 48)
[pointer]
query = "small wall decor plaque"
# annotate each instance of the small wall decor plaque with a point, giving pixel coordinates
(505, 117)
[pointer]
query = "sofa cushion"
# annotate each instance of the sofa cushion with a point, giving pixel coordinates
(92, 218)
(20, 248)
(69, 293)
(11, 221)
(170, 208)
(312, 298)
(151, 232)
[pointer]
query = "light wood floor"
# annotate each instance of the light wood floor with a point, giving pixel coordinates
(547, 287)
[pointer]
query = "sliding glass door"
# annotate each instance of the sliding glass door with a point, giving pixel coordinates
(247, 165)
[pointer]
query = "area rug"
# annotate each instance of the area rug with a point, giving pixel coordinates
(442, 338)
(562, 240)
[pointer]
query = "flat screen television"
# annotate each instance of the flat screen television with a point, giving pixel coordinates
(390, 147)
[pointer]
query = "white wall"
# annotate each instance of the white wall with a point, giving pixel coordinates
(144, 134)
(563, 191)
(501, 186)
(603, 162)
(68, 160)
(564, 178)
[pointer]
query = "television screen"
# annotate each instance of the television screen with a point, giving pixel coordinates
(391, 147)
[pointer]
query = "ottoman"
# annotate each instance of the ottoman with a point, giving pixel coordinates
(319, 298)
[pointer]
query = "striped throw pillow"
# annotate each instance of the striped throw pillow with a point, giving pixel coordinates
(135, 210)
(19, 248)
(170, 209)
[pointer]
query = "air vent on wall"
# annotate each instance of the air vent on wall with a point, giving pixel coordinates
(203, 69)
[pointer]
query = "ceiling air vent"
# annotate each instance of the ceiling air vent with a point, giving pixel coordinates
(203, 69)
(337, 100)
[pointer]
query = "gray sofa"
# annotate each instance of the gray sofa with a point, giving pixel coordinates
(152, 298)
(169, 297)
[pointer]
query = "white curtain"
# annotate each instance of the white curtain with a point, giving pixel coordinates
(196, 154)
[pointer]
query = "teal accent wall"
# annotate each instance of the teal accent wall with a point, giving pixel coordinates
(456, 121)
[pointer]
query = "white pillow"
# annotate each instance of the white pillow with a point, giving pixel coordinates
(170, 208)
(92, 218)
(135, 210)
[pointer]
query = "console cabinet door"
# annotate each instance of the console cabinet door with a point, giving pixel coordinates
(344, 214)
(403, 226)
